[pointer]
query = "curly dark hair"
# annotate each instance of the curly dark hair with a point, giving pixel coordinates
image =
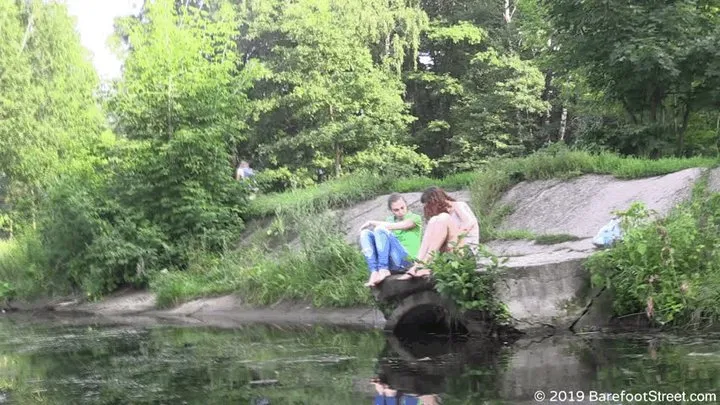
(436, 201)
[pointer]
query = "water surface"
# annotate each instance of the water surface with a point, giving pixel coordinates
(52, 363)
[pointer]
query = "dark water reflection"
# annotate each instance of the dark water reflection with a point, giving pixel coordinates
(95, 364)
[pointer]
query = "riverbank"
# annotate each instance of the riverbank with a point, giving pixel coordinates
(552, 196)
(228, 311)
(540, 212)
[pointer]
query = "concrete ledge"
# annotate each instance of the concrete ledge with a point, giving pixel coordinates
(550, 295)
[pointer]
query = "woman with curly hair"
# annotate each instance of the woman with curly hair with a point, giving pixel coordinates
(451, 224)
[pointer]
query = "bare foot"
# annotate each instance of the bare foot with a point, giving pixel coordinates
(372, 280)
(423, 273)
(389, 392)
(408, 274)
(384, 273)
(431, 399)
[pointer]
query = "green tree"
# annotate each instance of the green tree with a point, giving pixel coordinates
(181, 71)
(651, 58)
(476, 95)
(165, 190)
(49, 120)
(326, 98)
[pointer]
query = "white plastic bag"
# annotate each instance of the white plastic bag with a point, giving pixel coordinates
(608, 234)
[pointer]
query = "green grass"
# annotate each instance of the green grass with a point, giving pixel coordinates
(552, 239)
(292, 276)
(326, 271)
(349, 190)
(513, 234)
(523, 234)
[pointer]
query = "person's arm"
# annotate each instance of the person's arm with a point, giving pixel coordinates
(403, 225)
(391, 226)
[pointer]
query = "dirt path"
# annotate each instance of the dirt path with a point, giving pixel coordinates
(138, 308)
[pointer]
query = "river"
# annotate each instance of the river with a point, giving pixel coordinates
(94, 363)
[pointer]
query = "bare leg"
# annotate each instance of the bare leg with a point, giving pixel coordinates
(381, 276)
(441, 234)
(431, 399)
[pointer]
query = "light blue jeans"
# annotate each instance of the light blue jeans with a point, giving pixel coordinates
(382, 250)
(403, 400)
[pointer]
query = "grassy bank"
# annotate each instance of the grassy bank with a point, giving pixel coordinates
(23, 269)
(349, 190)
(320, 266)
(333, 274)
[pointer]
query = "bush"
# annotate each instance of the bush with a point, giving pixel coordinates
(458, 279)
(23, 268)
(282, 179)
(668, 268)
(141, 212)
(184, 188)
(391, 160)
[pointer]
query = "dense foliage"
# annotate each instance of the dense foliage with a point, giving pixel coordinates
(457, 278)
(104, 186)
(667, 268)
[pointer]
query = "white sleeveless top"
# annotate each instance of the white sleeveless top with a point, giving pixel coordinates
(473, 236)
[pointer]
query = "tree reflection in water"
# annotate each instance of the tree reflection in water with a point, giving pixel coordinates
(89, 363)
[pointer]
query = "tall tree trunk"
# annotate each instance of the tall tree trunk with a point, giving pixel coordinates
(547, 93)
(632, 116)
(681, 132)
(653, 110)
(509, 11)
(338, 159)
(28, 30)
(655, 102)
(338, 149)
(563, 123)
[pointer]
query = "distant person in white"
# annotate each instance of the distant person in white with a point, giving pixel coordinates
(243, 171)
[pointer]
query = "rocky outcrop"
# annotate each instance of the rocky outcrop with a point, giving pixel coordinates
(581, 206)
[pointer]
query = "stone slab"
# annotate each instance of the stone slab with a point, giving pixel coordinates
(581, 206)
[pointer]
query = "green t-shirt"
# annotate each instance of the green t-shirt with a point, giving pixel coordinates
(409, 238)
